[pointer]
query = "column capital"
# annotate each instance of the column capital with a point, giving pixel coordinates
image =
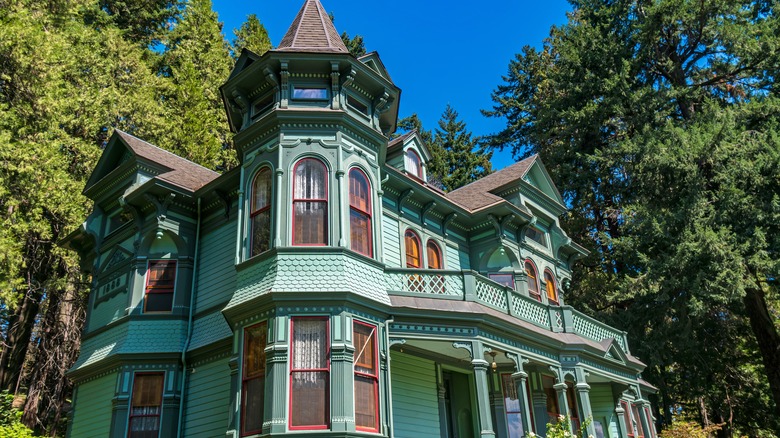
(519, 375)
(560, 386)
(480, 364)
(582, 386)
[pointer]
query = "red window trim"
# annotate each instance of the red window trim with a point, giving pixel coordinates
(366, 213)
(162, 392)
(555, 301)
(419, 249)
(538, 294)
(419, 175)
(262, 210)
(244, 379)
(325, 370)
(374, 377)
(152, 289)
(437, 248)
(323, 200)
(627, 418)
(641, 429)
(650, 425)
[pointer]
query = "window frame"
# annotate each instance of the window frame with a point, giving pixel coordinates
(150, 289)
(324, 201)
(532, 275)
(525, 395)
(255, 212)
(627, 418)
(409, 153)
(547, 284)
(500, 278)
(296, 87)
(640, 430)
(439, 254)
(245, 379)
(132, 396)
(416, 238)
(326, 370)
(649, 418)
(374, 377)
(367, 214)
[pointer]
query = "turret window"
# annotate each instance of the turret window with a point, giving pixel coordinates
(413, 164)
(533, 282)
(310, 93)
(160, 284)
(310, 203)
(366, 378)
(309, 374)
(253, 379)
(360, 212)
(261, 212)
(552, 291)
(146, 405)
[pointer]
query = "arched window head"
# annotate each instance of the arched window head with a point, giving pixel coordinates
(360, 212)
(413, 163)
(434, 255)
(552, 291)
(310, 203)
(533, 281)
(260, 217)
(412, 249)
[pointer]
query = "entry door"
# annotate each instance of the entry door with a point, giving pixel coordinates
(460, 406)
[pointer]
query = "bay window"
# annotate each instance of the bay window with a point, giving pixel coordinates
(146, 405)
(360, 212)
(310, 203)
(260, 216)
(160, 283)
(309, 374)
(253, 379)
(366, 377)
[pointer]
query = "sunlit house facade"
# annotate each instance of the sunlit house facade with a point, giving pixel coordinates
(325, 288)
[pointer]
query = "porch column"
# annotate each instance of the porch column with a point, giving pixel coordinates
(519, 379)
(583, 390)
(441, 393)
(563, 401)
(483, 397)
(497, 404)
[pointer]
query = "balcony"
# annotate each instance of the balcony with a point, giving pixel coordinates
(471, 286)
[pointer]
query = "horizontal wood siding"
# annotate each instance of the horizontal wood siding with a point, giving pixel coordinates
(415, 403)
(603, 408)
(392, 242)
(208, 400)
(216, 267)
(92, 411)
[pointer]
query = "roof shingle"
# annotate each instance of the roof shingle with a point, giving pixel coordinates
(477, 194)
(312, 31)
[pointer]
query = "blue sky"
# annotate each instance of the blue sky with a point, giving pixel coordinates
(436, 51)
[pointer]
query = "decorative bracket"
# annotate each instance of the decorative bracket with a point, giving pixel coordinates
(426, 209)
(519, 361)
(285, 75)
(521, 231)
(382, 103)
(334, 78)
(401, 199)
(466, 346)
(161, 204)
(446, 223)
(224, 199)
(496, 226)
(242, 105)
(396, 341)
(349, 78)
(132, 211)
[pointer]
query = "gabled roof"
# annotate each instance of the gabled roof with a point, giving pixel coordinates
(373, 61)
(312, 31)
(477, 194)
(180, 171)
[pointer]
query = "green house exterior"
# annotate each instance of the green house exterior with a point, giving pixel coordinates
(324, 288)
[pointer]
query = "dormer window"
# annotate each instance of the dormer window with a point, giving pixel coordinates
(310, 93)
(413, 164)
(536, 235)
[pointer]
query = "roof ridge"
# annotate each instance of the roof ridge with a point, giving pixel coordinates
(486, 179)
(121, 133)
(308, 33)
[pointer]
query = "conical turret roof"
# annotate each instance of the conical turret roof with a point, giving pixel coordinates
(312, 31)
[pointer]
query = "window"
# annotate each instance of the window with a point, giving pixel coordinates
(262, 105)
(357, 105)
(649, 417)
(310, 203)
(627, 418)
(533, 283)
(573, 411)
(549, 284)
(359, 212)
(253, 379)
(552, 399)
(640, 433)
(366, 377)
(160, 282)
(434, 255)
(507, 280)
(260, 217)
(309, 374)
(310, 93)
(412, 249)
(513, 407)
(536, 235)
(413, 164)
(146, 405)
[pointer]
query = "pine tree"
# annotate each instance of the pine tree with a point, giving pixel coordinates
(355, 45)
(457, 157)
(251, 36)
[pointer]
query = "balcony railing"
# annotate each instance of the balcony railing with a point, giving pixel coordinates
(471, 286)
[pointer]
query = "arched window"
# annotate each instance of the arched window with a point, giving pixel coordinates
(359, 212)
(310, 203)
(434, 255)
(412, 249)
(533, 282)
(260, 217)
(552, 291)
(413, 163)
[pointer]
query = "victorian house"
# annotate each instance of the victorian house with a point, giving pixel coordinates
(325, 288)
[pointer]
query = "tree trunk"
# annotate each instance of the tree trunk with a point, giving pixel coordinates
(17, 339)
(767, 338)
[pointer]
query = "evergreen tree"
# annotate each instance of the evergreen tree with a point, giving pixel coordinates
(251, 36)
(656, 119)
(457, 160)
(355, 45)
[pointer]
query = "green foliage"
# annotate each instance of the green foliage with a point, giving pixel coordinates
(457, 158)
(251, 36)
(142, 21)
(10, 424)
(658, 120)
(355, 45)
(561, 429)
(688, 429)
